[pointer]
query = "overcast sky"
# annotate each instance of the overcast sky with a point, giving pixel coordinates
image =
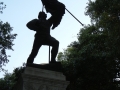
(19, 12)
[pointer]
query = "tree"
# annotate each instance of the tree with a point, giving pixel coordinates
(6, 39)
(10, 79)
(7, 82)
(94, 61)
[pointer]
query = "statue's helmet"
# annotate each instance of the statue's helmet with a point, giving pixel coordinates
(42, 15)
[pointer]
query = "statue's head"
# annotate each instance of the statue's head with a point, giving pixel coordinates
(42, 15)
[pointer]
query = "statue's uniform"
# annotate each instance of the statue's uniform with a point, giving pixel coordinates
(42, 37)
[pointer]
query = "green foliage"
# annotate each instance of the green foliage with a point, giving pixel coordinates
(17, 72)
(2, 6)
(7, 82)
(10, 79)
(93, 62)
(6, 39)
(6, 42)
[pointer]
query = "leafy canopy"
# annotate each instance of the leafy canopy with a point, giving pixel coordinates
(6, 39)
(93, 62)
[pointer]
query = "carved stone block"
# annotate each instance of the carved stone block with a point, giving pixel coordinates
(41, 79)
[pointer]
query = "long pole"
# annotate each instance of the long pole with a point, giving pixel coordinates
(74, 17)
(43, 8)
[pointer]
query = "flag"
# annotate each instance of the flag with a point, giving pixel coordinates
(57, 10)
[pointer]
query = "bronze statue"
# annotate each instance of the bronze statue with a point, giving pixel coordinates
(42, 36)
(42, 28)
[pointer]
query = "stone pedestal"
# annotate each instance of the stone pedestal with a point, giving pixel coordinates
(42, 79)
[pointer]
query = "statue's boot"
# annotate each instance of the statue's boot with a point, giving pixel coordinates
(30, 60)
(54, 52)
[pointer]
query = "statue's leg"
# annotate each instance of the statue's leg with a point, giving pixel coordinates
(55, 46)
(35, 49)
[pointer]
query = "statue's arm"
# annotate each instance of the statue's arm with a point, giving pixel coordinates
(32, 24)
(50, 20)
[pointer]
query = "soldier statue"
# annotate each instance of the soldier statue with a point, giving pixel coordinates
(42, 37)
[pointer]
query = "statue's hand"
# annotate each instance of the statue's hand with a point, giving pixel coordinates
(53, 27)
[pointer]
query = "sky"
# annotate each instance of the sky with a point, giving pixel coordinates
(19, 12)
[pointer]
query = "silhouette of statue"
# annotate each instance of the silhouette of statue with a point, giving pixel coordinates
(42, 36)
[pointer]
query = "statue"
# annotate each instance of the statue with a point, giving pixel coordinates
(42, 28)
(42, 37)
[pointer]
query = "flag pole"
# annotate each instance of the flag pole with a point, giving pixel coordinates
(43, 8)
(71, 14)
(74, 17)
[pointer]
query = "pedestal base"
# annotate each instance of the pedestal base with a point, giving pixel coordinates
(41, 79)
